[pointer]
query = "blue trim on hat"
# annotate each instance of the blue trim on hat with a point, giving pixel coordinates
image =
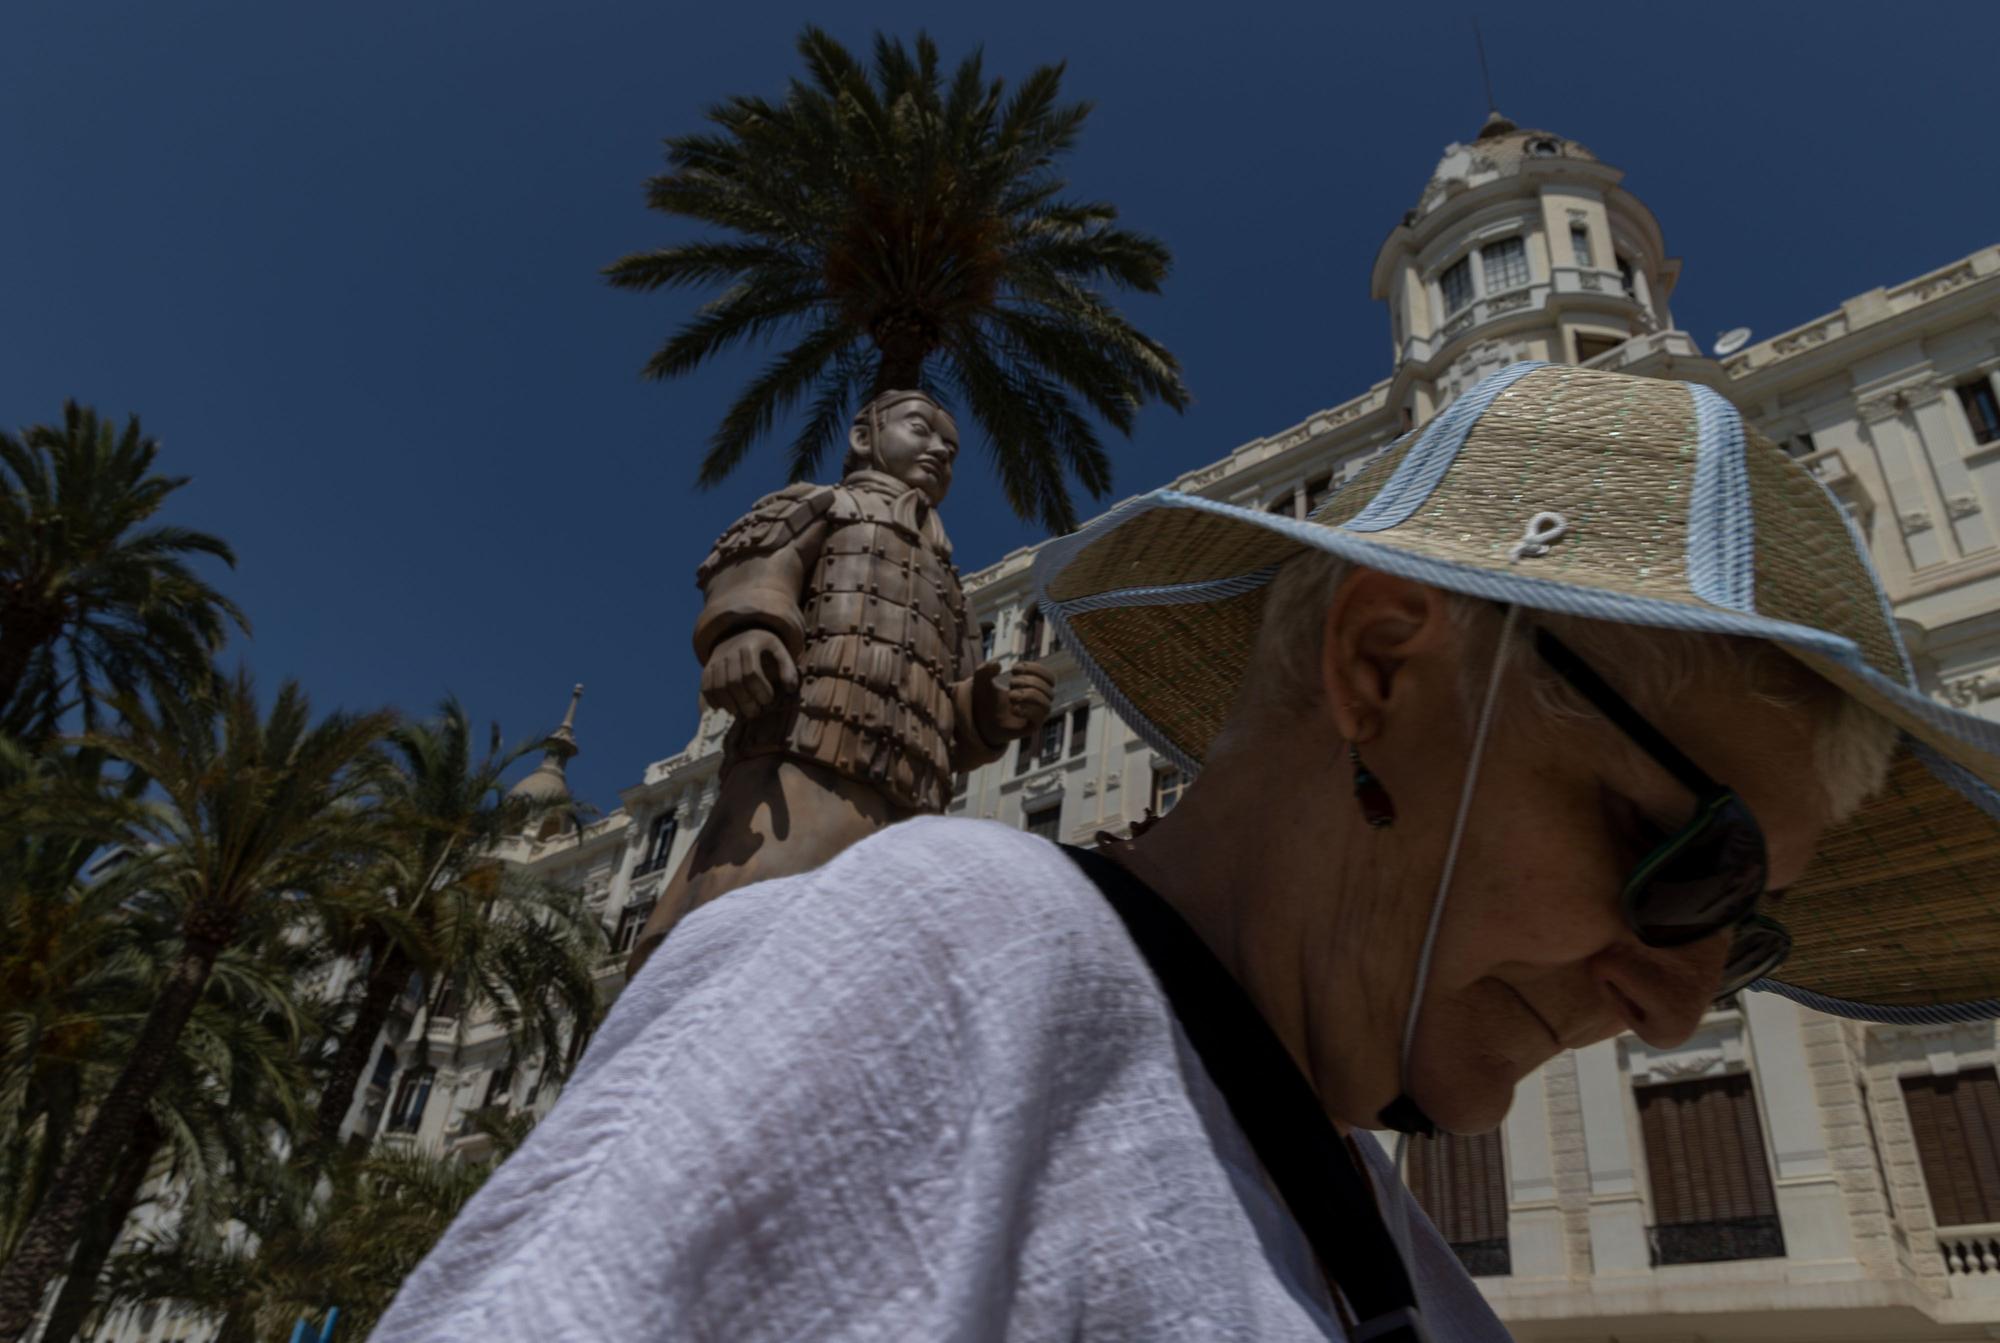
(1884, 1014)
(1721, 549)
(1433, 453)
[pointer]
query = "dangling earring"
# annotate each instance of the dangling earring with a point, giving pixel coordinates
(1377, 807)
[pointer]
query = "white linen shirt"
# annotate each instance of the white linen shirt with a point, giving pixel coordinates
(930, 1091)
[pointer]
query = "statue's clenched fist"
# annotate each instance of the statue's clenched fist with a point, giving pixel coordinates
(1006, 705)
(748, 672)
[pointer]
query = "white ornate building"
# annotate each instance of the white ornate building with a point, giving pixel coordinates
(1783, 1175)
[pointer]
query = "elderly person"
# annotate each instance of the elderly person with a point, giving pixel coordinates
(1508, 749)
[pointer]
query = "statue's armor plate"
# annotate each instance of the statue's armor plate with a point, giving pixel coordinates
(885, 638)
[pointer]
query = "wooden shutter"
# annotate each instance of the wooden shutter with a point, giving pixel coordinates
(1705, 1151)
(1461, 1184)
(1956, 1123)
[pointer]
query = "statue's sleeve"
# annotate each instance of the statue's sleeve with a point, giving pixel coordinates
(756, 575)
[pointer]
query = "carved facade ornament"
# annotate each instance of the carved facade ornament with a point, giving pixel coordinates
(1508, 302)
(1578, 214)
(1961, 506)
(1923, 291)
(1203, 479)
(1042, 785)
(1915, 521)
(1966, 691)
(1591, 280)
(1882, 406)
(1681, 1067)
(1804, 339)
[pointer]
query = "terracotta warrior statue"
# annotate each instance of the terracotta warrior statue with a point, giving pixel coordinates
(836, 632)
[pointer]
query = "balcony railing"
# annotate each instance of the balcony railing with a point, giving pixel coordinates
(1971, 1251)
(1484, 1258)
(1714, 1242)
(650, 866)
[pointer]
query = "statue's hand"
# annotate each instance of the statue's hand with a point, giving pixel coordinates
(748, 672)
(1011, 704)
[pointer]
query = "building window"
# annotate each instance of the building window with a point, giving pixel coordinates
(1024, 756)
(1317, 489)
(1801, 445)
(385, 1068)
(985, 641)
(1712, 1196)
(1982, 410)
(631, 920)
(1168, 785)
(1045, 823)
(958, 782)
(1505, 264)
(445, 1006)
(1052, 739)
(500, 1087)
(1590, 347)
(1579, 246)
(1955, 1121)
(659, 842)
(1461, 1184)
(1627, 280)
(412, 1094)
(1079, 724)
(1456, 285)
(1031, 633)
(1283, 505)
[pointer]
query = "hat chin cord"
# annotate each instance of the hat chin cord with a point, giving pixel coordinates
(1403, 1114)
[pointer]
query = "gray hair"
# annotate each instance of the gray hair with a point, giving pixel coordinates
(1851, 744)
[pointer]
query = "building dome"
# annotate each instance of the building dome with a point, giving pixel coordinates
(1501, 149)
(548, 785)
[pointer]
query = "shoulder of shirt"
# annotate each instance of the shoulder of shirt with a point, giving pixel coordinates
(964, 889)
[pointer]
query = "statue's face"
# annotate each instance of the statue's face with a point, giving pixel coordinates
(915, 442)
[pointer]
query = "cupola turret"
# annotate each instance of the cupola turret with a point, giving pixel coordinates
(1522, 245)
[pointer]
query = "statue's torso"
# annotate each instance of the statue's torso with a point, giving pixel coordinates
(885, 638)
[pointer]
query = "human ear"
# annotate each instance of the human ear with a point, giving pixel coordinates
(1379, 634)
(858, 441)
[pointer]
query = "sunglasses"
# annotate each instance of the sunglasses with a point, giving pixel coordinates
(1707, 876)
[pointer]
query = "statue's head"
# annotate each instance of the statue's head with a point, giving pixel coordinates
(907, 435)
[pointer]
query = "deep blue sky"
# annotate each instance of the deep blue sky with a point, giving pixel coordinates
(343, 261)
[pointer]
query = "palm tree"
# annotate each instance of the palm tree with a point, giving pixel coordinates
(902, 231)
(237, 1080)
(445, 908)
(71, 961)
(251, 809)
(96, 600)
(349, 1244)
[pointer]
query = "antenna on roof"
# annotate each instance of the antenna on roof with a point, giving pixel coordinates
(1485, 77)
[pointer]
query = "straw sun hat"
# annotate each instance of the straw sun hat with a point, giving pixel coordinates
(1616, 498)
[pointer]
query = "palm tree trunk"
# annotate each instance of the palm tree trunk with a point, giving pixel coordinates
(45, 1242)
(903, 344)
(79, 1289)
(385, 981)
(20, 638)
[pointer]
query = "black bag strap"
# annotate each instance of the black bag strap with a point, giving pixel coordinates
(1272, 1102)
